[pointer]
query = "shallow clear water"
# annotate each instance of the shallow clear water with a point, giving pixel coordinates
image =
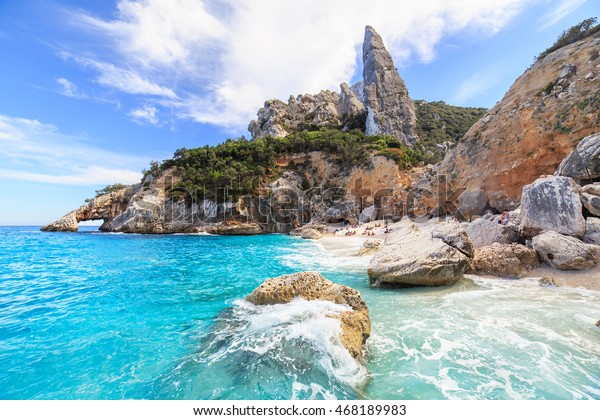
(109, 316)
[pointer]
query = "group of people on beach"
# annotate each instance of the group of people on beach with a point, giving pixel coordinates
(369, 231)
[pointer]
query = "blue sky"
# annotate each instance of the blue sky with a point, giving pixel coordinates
(91, 91)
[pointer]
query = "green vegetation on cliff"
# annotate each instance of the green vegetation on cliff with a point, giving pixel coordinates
(583, 29)
(242, 165)
(110, 188)
(439, 123)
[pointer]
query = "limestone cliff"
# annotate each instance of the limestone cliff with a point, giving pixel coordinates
(389, 108)
(105, 207)
(542, 117)
(326, 109)
(378, 105)
(157, 205)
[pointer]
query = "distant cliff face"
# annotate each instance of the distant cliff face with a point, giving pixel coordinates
(378, 105)
(542, 117)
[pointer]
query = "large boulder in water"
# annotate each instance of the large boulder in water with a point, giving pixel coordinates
(504, 260)
(355, 322)
(552, 203)
(584, 161)
(307, 232)
(565, 252)
(422, 255)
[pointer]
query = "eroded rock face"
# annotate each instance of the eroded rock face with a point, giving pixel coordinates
(504, 260)
(302, 112)
(105, 207)
(355, 323)
(532, 129)
(422, 255)
(389, 108)
(583, 162)
(565, 252)
(552, 203)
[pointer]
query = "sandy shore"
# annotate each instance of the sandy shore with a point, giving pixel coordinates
(341, 244)
(588, 279)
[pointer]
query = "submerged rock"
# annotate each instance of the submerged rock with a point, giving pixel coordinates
(565, 252)
(422, 255)
(355, 323)
(552, 203)
(547, 282)
(504, 260)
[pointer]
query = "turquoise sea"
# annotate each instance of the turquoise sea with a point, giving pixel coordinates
(90, 315)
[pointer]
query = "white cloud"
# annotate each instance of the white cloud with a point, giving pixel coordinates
(33, 151)
(565, 8)
(125, 80)
(68, 88)
(223, 59)
(146, 114)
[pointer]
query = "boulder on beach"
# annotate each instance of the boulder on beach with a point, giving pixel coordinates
(472, 202)
(504, 260)
(484, 232)
(431, 254)
(592, 231)
(552, 203)
(591, 203)
(370, 246)
(368, 214)
(355, 322)
(584, 161)
(565, 252)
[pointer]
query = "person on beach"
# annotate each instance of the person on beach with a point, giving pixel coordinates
(504, 217)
